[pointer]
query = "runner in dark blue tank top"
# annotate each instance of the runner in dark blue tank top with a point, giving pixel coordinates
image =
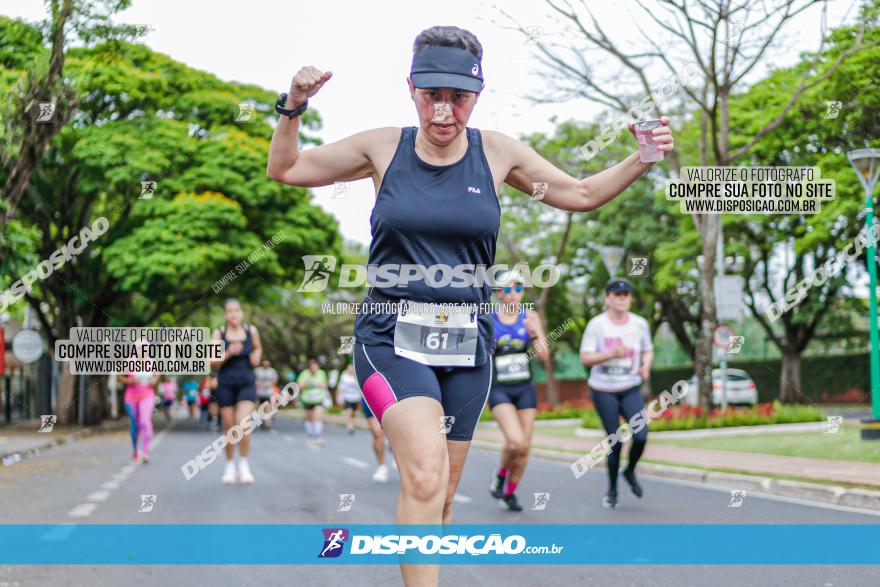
(236, 391)
(513, 398)
(423, 370)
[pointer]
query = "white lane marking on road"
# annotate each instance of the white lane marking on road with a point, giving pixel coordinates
(289, 438)
(159, 438)
(459, 498)
(83, 510)
(356, 463)
(100, 495)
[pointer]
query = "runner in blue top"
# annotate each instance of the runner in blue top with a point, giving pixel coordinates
(436, 211)
(513, 399)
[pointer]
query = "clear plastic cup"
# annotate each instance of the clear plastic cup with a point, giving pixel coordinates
(648, 151)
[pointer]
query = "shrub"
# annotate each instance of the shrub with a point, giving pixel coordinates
(685, 417)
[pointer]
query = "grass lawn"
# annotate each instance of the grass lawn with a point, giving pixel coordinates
(843, 446)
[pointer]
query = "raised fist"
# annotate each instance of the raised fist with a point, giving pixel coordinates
(306, 84)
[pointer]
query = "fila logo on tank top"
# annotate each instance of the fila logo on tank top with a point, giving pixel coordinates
(422, 216)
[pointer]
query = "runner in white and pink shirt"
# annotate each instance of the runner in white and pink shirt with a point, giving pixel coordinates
(617, 348)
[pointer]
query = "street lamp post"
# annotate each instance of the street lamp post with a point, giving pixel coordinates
(866, 162)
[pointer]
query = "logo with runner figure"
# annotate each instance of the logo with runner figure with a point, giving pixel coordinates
(318, 270)
(346, 500)
(441, 318)
(47, 422)
(334, 540)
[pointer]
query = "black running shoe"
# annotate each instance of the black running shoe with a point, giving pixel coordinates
(610, 499)
(497, 487)
(630, 477)
(510, 502)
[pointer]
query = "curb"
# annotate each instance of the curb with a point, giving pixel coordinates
(548, 422)
(10, 458)
(829, 494)
(800, 427)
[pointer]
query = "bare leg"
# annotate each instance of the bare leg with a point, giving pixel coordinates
(378, 440)
(227, 417)
(526, 423)
(514, 438)
(242, 409)
(458, 451)
(421, 454)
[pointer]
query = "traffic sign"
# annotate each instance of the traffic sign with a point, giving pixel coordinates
(728, 297)
(27, 346)
(721, 337)
(611, 257)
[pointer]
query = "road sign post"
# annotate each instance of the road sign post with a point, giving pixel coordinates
(866, 162)
(721, 339)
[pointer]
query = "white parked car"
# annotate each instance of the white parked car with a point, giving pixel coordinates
(739, 388)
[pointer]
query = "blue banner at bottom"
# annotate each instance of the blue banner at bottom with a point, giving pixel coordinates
(575, 544)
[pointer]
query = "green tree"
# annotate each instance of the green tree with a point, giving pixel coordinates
(144, 117)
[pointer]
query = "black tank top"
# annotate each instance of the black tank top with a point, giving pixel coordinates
(238, 367)
(434, 214)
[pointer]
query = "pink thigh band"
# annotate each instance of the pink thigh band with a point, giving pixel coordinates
(378, 394)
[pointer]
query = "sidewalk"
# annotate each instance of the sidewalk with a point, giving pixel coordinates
(22, 440)
(849, 472)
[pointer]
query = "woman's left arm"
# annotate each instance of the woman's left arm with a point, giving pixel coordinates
(536, 331)
(257, 354)
(565, 192)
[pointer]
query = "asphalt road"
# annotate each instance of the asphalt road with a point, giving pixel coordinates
(93, 481)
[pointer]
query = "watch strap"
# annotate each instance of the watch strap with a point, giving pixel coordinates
(281, 107)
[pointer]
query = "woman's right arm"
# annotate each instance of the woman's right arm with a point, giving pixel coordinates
(215, 337)
(593, 359)
(589, 352)
(344, 160)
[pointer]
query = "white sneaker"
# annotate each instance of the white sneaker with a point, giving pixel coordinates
(244, 473)
(381, 474)
(230, 475)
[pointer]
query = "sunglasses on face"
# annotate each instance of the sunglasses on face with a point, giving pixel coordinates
(517, 288)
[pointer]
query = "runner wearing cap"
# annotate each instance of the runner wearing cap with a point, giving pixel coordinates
(513, 398)
(617, 348)
(436, 204)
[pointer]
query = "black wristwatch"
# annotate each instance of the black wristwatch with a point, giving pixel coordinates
(280, 107)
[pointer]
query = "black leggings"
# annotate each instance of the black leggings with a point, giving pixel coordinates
(611, 406)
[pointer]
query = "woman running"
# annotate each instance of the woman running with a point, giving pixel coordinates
(140, 400)
(436, 204)
(513, 398)
(190, 389)
(205, 402)
(617, 348)
(236, 391)
(348, 394)
(381, 473)
(313, 390)
(168, 390)
(267, 377)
